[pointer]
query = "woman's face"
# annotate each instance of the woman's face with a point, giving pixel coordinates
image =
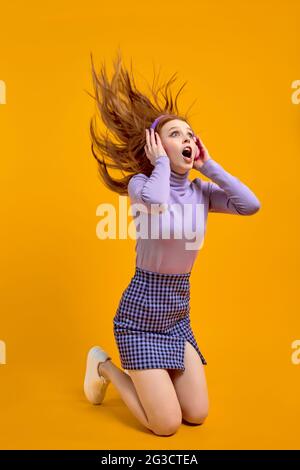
(175, 135)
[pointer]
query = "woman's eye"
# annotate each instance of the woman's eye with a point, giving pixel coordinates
(174, 132)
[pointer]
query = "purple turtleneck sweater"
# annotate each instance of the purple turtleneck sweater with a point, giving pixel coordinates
(163, 195)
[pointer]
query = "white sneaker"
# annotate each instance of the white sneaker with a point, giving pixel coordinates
(95, 385)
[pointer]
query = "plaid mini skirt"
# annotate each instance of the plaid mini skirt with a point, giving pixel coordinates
(152, 321)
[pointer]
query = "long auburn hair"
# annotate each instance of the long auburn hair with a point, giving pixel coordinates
(126, 117)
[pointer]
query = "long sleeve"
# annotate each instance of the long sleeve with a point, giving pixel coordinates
(227, 194)
(154, 189)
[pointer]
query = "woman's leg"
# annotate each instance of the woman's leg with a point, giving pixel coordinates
(125, 387)
(191, 387)
(149, 394)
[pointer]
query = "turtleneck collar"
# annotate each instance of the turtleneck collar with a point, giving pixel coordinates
(179, 181)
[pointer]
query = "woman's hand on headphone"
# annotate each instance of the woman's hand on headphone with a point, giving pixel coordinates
(202, 154)
(153, 148)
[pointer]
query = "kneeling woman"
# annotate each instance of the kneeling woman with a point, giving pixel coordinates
(163, 381)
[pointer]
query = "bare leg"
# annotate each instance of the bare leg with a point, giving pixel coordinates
(126, 388)
(191, 388)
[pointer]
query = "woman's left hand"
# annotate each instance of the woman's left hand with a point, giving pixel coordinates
(202, 155)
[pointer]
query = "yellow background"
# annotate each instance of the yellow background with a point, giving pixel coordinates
(60, 284)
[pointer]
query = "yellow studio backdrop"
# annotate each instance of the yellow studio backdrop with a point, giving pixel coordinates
(60, 284)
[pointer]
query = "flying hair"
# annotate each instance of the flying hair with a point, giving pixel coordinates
(126, 113)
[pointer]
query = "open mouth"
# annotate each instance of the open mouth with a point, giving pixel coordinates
(187, 153)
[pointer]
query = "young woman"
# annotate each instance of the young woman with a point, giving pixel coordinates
(164, 382)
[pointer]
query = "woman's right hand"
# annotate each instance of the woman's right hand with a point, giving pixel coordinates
(153, 148)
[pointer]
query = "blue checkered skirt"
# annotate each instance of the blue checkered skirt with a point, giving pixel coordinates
(152, 321)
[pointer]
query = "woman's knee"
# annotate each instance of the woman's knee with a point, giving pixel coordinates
(196, 413)
(159, 400)
(166, 421)
(166, 426)
(196, 418)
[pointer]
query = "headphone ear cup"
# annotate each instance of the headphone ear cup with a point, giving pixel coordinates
(198, 148)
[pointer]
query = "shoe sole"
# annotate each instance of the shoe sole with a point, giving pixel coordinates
(103, 382)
